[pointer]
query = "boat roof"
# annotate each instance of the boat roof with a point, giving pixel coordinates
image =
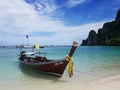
(31, 53)
(28, 53)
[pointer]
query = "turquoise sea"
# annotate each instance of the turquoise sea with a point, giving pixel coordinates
(90, 63)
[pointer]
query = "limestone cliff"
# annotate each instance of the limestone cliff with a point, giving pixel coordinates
(109, 34)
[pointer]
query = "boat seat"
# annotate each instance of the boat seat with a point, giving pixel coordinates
(40, 59)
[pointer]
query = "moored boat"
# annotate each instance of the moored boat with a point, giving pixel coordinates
(35, 61)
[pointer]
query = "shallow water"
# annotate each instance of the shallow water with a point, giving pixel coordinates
(90, 63)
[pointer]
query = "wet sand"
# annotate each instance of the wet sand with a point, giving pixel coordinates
(110, 83)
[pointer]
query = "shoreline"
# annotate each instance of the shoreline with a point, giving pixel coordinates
(110, 83)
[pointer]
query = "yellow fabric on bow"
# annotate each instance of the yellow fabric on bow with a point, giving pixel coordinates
(70, 66)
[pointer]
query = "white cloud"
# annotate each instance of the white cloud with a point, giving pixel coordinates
(72, 3)
(45, 6)
(18, 18)
(20, 15)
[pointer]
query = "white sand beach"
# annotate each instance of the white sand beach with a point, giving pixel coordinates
(110, 83)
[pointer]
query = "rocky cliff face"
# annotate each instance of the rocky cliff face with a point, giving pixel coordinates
(109, 34)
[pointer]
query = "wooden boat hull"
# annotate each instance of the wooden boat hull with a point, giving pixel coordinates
(55, 67)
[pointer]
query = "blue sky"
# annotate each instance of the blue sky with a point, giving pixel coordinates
(53, 21)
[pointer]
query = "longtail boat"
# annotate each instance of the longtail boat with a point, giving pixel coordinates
(38, 62)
